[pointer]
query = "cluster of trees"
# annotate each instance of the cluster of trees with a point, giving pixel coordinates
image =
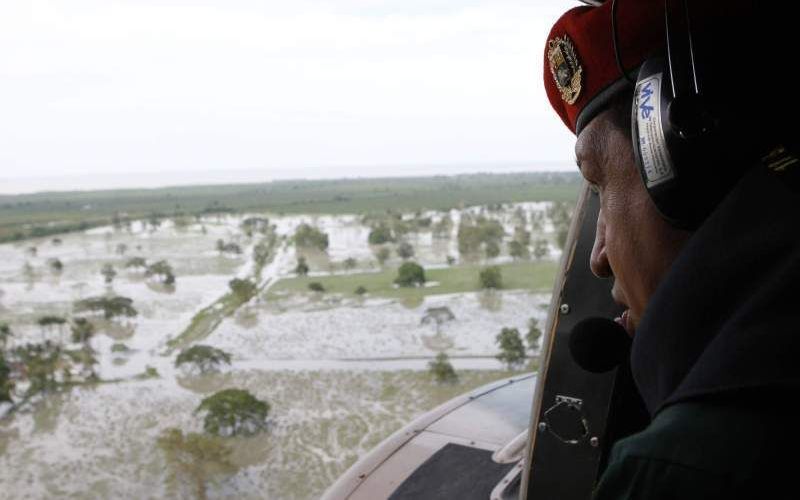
(310, 237)
(252, 225)
(512, 348)
(32, 368)
(229, 247)
(161, 271)
(479, 234)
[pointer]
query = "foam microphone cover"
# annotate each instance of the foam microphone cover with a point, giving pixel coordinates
(599, 344)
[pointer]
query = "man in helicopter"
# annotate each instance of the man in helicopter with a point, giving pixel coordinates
(686, 131)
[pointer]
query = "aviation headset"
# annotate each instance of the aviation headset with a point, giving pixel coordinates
(693, 139)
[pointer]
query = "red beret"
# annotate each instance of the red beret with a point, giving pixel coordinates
(580, 68)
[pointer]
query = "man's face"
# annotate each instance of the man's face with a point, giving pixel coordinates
(633, 244)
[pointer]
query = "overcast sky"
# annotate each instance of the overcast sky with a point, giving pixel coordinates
(272, 88)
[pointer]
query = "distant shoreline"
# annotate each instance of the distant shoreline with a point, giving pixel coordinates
(172, 179)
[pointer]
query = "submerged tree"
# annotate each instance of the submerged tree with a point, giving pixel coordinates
(111, 307)
(5, 334)
(195, 458)
(136, 263)
(438, 316)
(233, 412)
(442, 370)
(55, 264)
(5, 382)
(203, 358)
(161, 271)
(382, 255)
(512, 350)
(109, 273)
(302, 266)
(405, 250)
(82, 330)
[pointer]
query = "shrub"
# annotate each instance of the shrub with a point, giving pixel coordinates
(233, 412)
(491, 277)
(442, 370)
(410, 274)
(243, 290)
(512, 350)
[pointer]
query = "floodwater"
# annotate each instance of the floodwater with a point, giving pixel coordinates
(339, 377)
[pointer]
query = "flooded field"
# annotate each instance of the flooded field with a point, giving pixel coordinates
(339, 369)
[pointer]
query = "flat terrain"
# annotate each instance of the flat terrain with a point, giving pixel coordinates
(533, 276)
(42, 214)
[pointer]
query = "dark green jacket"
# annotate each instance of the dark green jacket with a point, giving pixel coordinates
(716, 359)
(710, 450)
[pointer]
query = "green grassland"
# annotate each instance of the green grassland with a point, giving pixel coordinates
(535, 276)
(43, 214)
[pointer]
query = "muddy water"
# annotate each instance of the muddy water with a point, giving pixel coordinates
(339, 377)
(101, 442)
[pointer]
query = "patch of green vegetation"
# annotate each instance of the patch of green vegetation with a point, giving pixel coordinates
(208, 319)
(45, 214)
(537, 276)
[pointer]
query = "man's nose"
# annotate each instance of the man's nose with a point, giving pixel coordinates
(598, 262)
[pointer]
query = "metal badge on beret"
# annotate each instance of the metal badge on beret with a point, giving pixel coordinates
(565, 67)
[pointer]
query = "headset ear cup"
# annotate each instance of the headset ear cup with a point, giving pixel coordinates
(686, 157)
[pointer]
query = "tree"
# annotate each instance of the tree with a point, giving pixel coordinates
(243, 290)
(380, 234)
(109, 273)
(5, 334)
(438, 316)
(405, 250)
(512, 350)
(111, 307)
(233, 412)
(121, 248)
(302, 267)
(517, 250)
(5, 382)
(316, 286)
(442, 370)
(82, 330)
(350, 263)
(533, 335)
(361, 290)
(220, 246)
(451, 260)
(382, 255)
(196, 458)
(161, 271)
(136, 262)
(540, 248)
(492, 249)
(490, 277)
(56, 265)
(410, 274)
(202, 358)
(306, 236)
